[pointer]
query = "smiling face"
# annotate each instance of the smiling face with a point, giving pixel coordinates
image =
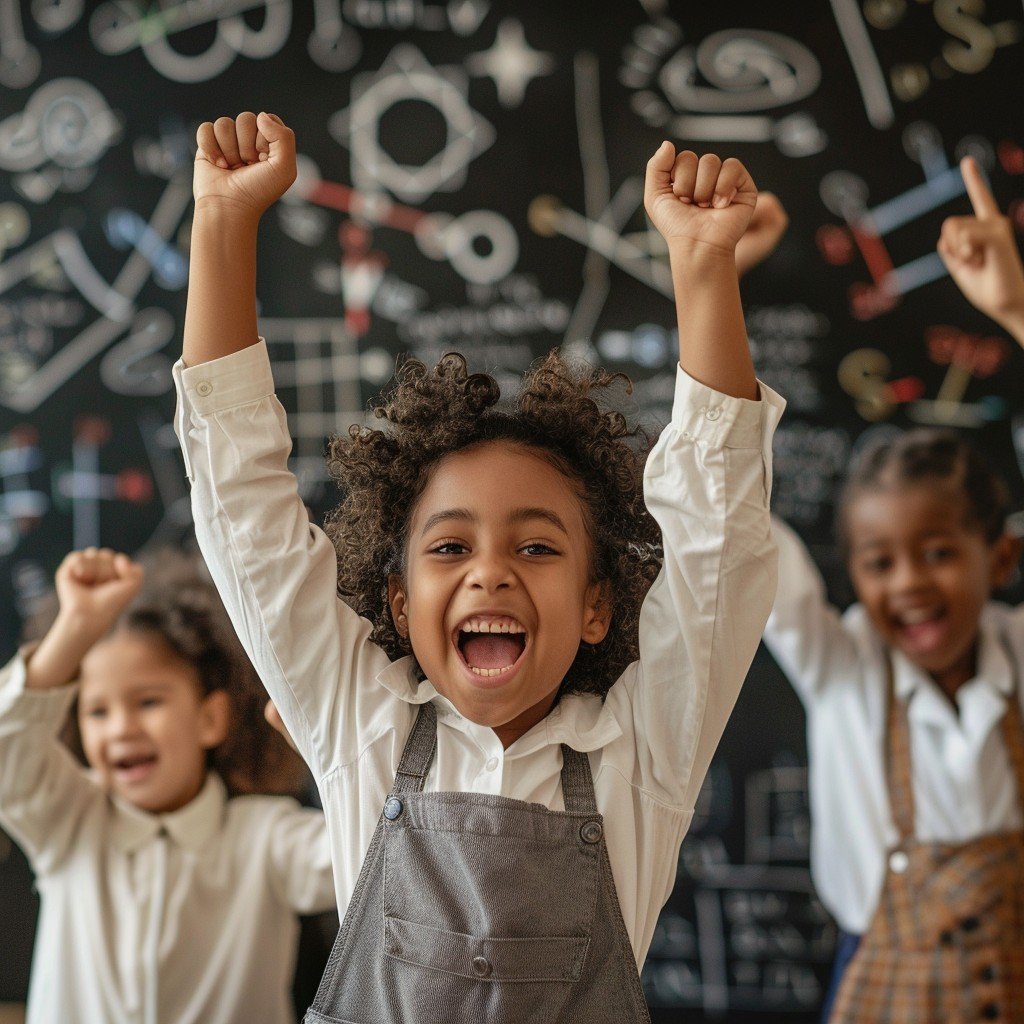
(923, 572)
(144, 722)
(497, 593)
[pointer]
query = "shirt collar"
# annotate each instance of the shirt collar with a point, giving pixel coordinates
(578, 720)
(191, 827)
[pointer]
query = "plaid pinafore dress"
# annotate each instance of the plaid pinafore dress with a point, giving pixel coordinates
(946, 944)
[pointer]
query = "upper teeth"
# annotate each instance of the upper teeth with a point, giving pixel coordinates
(912, 618)
(491, 626)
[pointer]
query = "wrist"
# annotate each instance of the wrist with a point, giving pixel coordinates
(224, 213)
(691, 252)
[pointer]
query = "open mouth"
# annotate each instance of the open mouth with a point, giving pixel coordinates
(921, 629)
(490, 645)
(134, 767)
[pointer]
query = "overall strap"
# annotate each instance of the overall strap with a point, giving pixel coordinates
(897, 758)
(577, 782)
(419, 752)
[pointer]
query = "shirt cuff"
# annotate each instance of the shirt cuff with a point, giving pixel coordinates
(721, 421)
(19, 705)
(236, 379)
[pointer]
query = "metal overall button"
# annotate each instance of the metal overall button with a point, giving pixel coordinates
(591, 832)
(204, 388)
(393, 808)
(481, 966)
(898, 861)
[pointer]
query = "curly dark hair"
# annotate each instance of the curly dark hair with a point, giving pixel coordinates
(179, 608)
(928, 453)
(432, 413)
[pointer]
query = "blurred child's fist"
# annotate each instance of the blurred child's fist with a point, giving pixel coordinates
(97, 583)
(764, 232)
(703, 202)
(248, 160)
(981, 255)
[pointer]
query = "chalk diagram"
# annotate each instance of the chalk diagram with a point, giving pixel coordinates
(866, 374)
(756, 938)
(726, 87)
(969, 47)
(117, 28)
(481, 246)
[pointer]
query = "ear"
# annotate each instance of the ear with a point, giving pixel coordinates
(398, 602)
(597, 613)
(215, 719)
(1004, 557)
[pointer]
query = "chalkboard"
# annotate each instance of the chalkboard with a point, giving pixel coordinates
(470, 178)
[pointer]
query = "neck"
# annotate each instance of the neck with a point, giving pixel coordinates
(951, 678)
(523, 723)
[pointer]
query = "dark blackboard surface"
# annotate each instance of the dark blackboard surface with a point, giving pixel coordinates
(471, 179)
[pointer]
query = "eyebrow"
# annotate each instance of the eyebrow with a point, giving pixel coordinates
(519, 515)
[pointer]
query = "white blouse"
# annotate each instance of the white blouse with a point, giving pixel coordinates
(963, 785)
(181, 918)
(350, 710)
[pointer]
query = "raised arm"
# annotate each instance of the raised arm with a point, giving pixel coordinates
(805, 633)
(275, 571)
(981, 255)
(702, 206)
(94, 586)
(243, 166)
(707, 484)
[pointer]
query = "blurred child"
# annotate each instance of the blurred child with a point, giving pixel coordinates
(488, 712)
(167, 895)
(914, 701)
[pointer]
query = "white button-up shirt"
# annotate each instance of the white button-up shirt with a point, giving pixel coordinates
(350, 710)
(963, 785)
(181, 918)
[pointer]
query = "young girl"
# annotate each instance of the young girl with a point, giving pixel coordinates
(166, 897)
(914, 703)
(507, 747)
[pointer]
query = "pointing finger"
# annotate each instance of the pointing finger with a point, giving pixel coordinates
(984, 203)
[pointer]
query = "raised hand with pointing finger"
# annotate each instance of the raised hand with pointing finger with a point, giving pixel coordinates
(981, 255)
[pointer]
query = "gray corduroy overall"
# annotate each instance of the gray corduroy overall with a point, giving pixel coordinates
(479, 908)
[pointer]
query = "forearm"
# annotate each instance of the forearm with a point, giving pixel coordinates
(220, 317)
(713, 346)
(55, 662)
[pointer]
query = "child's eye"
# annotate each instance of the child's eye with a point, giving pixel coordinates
(150, 702)
(96, 713)
(876, 566)
(448, 547)
(538, 549)
(940, 554)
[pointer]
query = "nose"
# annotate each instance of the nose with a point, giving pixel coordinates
(490, 571)
(909, 574)
(121, 722)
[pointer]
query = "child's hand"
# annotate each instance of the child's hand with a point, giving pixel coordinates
(273, 717)
(764, 232)
(96, 585)
(248, 160)
(704, 203)
(981, 255)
